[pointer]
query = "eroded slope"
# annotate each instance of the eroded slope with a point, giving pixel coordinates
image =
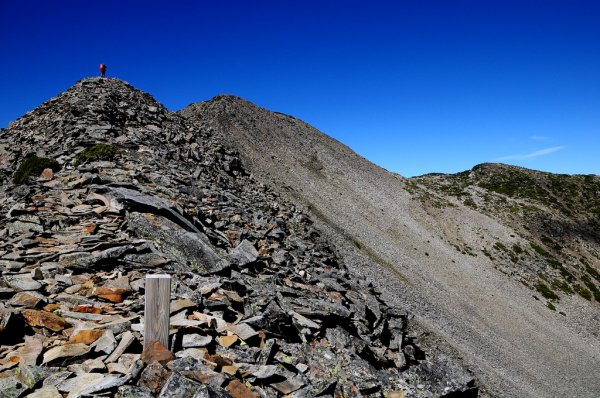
(423, 248)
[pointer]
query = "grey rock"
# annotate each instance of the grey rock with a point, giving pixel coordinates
(187, 248)
(106, 344)
(21, 227)
(244, 331)
(195, 340)
(178, 386)
(134, 392)
(11, 387)
(45, 392)
(22, 282)
(126, 339)
(243, 254)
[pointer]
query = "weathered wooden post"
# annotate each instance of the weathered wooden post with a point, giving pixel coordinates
(156, 309)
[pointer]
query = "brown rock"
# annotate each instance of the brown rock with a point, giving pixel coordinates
(89, 228)
(227, 341)
(157, 352)
(88, 309)
(23, 299)
(396, 394)
(9, 361)
(229, 369)
(51, 307)
(178, 305)
(45, 319)
(218, 359)
(237, 389)
(86, 336)
(114, 295)
(47, 175)
(154, 377)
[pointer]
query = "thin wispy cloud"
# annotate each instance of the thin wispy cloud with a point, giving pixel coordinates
(532, 155)
(540, 138)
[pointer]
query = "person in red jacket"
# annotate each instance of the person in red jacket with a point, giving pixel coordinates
(102, 70)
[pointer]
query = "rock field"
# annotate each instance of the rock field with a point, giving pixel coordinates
(261, 303)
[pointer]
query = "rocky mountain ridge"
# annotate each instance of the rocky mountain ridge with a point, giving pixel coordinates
(490, 259)
(262, 304)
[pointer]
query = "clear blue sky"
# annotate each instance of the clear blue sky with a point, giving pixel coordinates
(414, 86)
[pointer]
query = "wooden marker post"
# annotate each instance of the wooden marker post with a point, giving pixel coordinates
(156, 309)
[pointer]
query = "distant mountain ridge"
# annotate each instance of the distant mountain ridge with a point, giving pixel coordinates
(558, 215)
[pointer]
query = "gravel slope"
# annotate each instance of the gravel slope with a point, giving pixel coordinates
(514, 343)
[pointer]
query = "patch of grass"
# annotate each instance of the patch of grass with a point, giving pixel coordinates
(514, 183)
(488, 254)
(517, 249)
(554, 263)
(357, 243)
(593, 288)
(410, 186)
(33, 166)
(550, 243)
(567, 275)
(551, 306)
(545, 291)
(97, 152)
(562, 286)
(500, 246)
(583, 292)
(595, 274)
(540, 250)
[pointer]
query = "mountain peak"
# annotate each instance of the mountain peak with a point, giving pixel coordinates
(93, 110)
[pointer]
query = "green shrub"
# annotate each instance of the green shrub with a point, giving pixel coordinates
(593, 272)
(595, 290)
(500, 246)
(546, 291)
(517, 249)
(550, 243)
(540, 250)
(583, 292)
(562, 285)
(33, 166)
(97, 152)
